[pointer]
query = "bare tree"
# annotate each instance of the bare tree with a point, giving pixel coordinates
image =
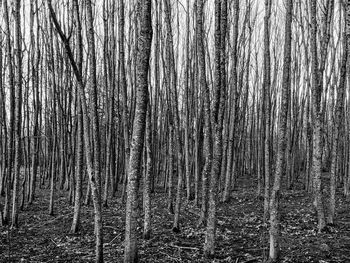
(230, 148)
(94, 186)
(275, 231)
(208, 129)
(316, 101)
(18, 114)
(266, 103)
(143, 56)
(80, 136)
(217, 120)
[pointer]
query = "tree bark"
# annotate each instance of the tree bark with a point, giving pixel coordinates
(11, 141)
(18, 114)
(217, 120)
(266, 102)
(80, 133)
(147, 177)
(208, 129)
(316, 101)
(143, 56)
(95, 188)
(230, 148)
(275, 230)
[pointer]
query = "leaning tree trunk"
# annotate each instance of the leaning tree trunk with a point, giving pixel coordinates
(94, 182)
(143, 56)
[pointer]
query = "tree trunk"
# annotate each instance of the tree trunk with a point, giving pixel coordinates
(208, 129)
(147, 178)
(18, 114)
(143, 56)
(230, 151)
(266, 102)
(217, 120)
(275, 231)
(316, 101)
(11, 141)
(339, 109)
(95, 187)
(123, 87)
(80, 133)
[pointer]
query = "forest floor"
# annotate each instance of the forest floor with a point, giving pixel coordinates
(241, 234)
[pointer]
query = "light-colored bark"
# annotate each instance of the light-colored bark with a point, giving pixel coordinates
(147, 178)
(124, 89)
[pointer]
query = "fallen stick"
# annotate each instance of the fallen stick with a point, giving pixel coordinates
(181, 247)
(50, 221)
(110, 242)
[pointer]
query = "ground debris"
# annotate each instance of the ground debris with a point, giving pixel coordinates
(242, 236)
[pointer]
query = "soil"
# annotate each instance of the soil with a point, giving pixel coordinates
(241, 234)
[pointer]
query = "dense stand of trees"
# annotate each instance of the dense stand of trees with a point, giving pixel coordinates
(108, 99)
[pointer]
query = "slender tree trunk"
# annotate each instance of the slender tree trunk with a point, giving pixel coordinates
(217, 120)
(208, 129)
(94, 185)
(275, 231)
(11, 141)
(339, 109)
(95, 131)
(123, 87)
(143, 56)
(230, 151)
(147, 178)
(36, 102)
(18, 114)
(80, 134)
(316, 101)
(52, 176)
(266, 88)
(347, 32)
(187, 109)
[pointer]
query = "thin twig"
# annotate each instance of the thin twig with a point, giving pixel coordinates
(193, 248)
(54, 242)
(114, 238)
(177, 259)
(50, 221)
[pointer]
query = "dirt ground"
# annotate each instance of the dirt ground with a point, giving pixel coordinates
(241, 234)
